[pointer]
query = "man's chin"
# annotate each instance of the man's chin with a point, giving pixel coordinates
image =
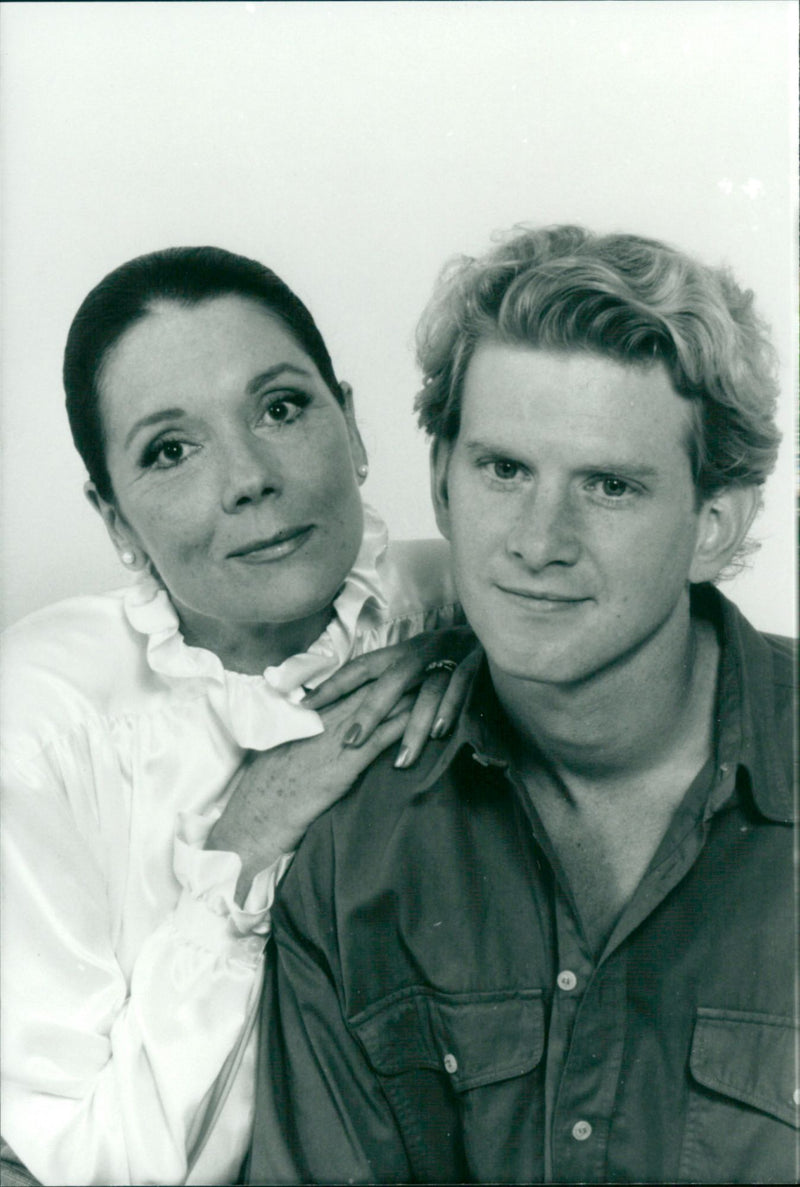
(535, 666)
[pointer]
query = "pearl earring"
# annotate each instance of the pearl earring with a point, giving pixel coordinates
(362, 470)
(127, 557)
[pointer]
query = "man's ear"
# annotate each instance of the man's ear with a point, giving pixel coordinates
(441, 452)
(356, 444)
(723, 523)
(122, 537)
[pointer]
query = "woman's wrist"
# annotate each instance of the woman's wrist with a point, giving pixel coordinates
(255, 853)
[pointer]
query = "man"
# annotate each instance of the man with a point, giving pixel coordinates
(562, 948)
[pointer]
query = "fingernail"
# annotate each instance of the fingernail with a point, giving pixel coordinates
(352, 735)
(403, 757)
(439, 728)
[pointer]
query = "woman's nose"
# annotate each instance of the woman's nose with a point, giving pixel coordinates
(545, 530)
(251, 473)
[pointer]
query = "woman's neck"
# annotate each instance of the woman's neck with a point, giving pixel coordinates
(250, 647)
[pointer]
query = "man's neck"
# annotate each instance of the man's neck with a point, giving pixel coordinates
(620, 752)
(627, 719)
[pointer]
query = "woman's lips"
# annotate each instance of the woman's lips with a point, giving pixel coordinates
(275, 548)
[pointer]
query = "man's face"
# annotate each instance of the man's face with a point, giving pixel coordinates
(569, 501)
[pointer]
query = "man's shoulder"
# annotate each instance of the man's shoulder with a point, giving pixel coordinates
(348, 848)
(383, 795)
(764, 665)
(765, 657)
(769, 662)
(783, 652)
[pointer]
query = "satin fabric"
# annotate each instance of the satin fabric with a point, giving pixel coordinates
(130, 976)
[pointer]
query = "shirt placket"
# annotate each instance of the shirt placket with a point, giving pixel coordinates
(583, 1079)
(584, 1038)
(578, 1080)
(586, 1078)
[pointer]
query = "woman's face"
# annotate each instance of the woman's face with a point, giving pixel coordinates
(233, 467)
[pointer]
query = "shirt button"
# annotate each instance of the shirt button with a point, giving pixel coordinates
(581, 1130)
(566, 980)
(450, 1063)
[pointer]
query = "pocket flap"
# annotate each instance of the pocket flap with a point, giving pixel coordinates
(750, 1057)
(475, 1038)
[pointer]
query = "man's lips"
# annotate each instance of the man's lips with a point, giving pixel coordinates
(273, 547)
(544, 598)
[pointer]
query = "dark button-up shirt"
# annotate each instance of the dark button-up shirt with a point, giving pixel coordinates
(434, 1013)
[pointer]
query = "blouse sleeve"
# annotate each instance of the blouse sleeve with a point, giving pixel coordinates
(111, 1074)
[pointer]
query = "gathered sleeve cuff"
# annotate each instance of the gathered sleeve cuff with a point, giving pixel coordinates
(207, 910)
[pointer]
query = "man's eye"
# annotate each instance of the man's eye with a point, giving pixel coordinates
(504, 469)
(612, 487)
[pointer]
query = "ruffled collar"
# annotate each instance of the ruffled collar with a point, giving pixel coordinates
(264, 711)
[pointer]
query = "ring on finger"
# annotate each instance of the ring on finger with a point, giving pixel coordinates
(441, 665)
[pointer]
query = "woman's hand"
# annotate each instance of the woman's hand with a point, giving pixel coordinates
(278, 793)
(438, 663)
(365, 707)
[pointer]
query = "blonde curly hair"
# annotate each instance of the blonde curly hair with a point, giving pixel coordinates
(632, 299)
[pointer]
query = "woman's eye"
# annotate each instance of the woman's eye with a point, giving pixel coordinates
(166, 454)
(285, 410)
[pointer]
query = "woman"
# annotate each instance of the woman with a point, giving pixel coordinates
(161, 763)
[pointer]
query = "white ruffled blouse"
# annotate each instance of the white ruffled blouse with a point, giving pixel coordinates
(130, 976)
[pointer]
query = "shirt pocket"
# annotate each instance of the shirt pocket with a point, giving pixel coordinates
(743, 1104)
(453, 1069)
(473, 1038)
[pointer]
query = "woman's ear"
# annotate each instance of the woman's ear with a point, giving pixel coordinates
(128, 549)
(723, 523)
(356, 444)
(439, 463)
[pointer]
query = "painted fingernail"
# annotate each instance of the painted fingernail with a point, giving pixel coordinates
(352, 735)
(403, 757)
(439, 728)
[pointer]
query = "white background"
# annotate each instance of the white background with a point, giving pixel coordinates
(353, 147)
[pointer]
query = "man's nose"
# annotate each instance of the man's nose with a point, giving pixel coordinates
(251, 472)
(546, 529)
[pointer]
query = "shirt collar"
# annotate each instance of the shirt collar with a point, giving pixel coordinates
(748, 735)
(480, 728)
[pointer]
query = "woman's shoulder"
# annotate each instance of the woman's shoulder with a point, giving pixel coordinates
(418, 577)
(76, 657)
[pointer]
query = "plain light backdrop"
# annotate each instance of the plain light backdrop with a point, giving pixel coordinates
(353, 147)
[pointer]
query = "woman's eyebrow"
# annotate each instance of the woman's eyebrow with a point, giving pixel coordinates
(253, 386)
(263, 377)
(152, 419)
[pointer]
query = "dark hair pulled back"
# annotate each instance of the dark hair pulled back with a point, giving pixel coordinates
(188, 276)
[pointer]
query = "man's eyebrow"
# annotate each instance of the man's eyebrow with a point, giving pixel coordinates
(253, 386)
(631, 467)
(477, 446)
